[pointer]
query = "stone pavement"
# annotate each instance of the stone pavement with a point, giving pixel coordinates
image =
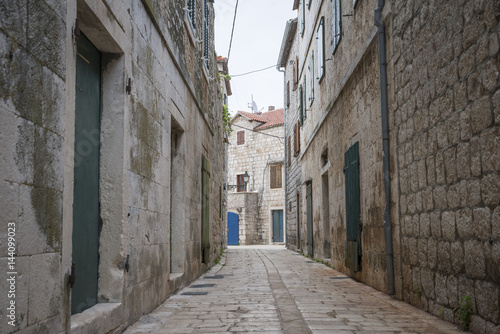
(274, 290)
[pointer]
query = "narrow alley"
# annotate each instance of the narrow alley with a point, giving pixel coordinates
(269, 289)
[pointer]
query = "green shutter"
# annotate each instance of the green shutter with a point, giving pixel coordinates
(205, 227)
(351, 170)
(336, 24)
(353, 209)
(301, 106)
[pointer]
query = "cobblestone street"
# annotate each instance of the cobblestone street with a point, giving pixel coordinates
(274, 290)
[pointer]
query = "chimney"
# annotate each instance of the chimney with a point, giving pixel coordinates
(270, 108)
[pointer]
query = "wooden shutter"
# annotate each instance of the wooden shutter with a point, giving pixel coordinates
(352, 194)
(301, 105)
(296, 134)
(240, 181)
(275, 175)
(240, 137)
(205, 228)
(296, 73)
(288, 94)
(336, 24)
(321, 49)
(289, 151)
(311, 78)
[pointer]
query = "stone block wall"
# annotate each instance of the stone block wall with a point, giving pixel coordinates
(153, 138)
(446, 127)
(32, 161)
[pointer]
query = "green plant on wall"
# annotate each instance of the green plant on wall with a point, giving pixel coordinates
(226, 119)
(464, 311)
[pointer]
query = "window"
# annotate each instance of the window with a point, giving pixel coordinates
(301, 106)
(275, 175)
(336, 24)
(353, 207)
(289, 151)
(240, 137)
(296, 137)
(304, 91)
(296, 73)
(191, 12)
(311, 79)
(303, 16)
(206, 39)
(354, 2)
(205, 211)
(320, 38)
(241, 186)
(288, 94)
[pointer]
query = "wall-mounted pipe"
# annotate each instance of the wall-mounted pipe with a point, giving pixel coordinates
(382, 58)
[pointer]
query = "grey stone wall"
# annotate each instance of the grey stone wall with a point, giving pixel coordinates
(32, 134)
(172, 110)
(446, 128)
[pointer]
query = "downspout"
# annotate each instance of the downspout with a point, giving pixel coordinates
(389, 254)
(285, 210)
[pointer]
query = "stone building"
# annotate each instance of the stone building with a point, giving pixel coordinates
(111, 159)
(392, 129)
(256, 209)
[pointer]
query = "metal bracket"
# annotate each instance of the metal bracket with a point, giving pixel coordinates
(126, 264)
(129, 86)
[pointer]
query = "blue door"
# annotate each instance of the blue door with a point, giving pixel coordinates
(278, 226)
(233, 229)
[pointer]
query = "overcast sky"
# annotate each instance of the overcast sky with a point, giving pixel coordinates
(258, 33)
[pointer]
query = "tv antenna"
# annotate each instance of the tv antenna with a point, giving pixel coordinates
(253, 106)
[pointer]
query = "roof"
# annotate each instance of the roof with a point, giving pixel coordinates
(286, 43)
(268, 119)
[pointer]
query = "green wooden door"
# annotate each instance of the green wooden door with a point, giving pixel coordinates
(86, 177)
(205, 227)
(277, 225)
(310, 241)
(353, 210)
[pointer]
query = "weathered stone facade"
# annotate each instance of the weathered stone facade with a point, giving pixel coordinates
(160, 116)
(262, 149)
(443, 79)
(446, 132)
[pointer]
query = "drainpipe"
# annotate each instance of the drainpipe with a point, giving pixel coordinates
(389, 254)
(285, 210)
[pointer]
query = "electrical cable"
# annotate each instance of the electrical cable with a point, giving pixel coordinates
(265, 134)
(262, 69)
(232, 31)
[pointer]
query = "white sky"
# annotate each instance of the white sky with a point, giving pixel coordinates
(258, 33)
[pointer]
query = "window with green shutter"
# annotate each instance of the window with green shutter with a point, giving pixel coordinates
(336, 24)
(311, 79)
(353, 209)
(320, 56)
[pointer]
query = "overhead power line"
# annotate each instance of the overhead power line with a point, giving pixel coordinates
(262, 133)
(262, 69)
(232, 31)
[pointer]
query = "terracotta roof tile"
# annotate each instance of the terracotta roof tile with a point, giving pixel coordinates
(268, 119)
